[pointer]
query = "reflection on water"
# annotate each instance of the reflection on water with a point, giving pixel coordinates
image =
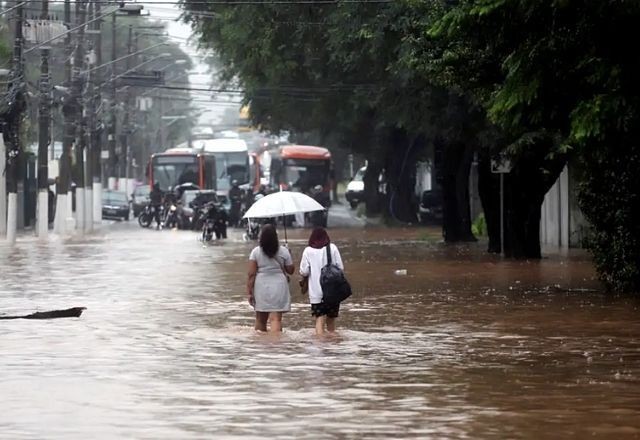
(464, 346)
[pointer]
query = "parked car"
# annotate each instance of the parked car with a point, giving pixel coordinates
(115, 204)
(355, 189)
(430, 208)
(140, 199)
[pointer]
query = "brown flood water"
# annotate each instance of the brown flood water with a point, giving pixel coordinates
(465, 345)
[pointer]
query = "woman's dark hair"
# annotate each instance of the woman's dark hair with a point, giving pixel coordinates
(269, 241)
(319, 238)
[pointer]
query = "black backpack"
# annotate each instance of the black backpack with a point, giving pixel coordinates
(335, 287)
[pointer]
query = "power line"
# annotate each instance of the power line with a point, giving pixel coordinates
(12, 8)
(164, 43)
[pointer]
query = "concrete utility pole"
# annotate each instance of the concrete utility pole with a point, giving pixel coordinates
(90, 118)
(111, 169)
(80, 120)
(63, 203)
(96, 142)
(44, 120)
(11, 127)
(128, 126)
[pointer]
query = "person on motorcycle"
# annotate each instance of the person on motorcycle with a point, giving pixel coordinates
(235, 196)
(218, 217)
(170, 204)
(155, 201)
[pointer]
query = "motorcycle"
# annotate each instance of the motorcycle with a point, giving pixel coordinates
(208, 226)
(214, 222)
(145, 218)
(171, 216)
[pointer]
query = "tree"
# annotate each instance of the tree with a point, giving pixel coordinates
(587, 105)
(339, 70)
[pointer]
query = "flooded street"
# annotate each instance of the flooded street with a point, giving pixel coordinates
(464, 346)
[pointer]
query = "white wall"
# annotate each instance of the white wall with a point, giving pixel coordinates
(557, 227)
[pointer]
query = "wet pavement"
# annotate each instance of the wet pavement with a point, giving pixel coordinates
(464, 346)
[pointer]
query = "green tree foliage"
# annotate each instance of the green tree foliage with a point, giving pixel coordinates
(560, 71)
(544, 81)
(337, 70)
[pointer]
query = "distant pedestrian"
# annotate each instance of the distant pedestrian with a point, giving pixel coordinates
(314, 258)
(155, 201)
(268, 280)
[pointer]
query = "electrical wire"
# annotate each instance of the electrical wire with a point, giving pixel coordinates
(12, 8)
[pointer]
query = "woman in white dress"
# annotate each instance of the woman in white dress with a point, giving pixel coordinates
(314, 258)
(268, 283)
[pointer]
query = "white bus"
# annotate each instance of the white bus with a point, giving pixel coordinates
(232, 161)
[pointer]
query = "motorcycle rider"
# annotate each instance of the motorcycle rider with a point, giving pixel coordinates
(235, 197)
(218, 216)
(170, 216)
(156, 197)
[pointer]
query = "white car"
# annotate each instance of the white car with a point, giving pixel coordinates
(355, 189)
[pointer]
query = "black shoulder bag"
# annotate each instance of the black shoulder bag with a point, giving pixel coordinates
(335, 287)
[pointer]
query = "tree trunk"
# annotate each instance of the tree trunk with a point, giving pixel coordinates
(456, 166)
(401, 176)
(489, 190)
(371, 193)
(524, 190)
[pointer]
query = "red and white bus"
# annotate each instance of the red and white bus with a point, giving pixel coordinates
(300, 168)
(183, 165)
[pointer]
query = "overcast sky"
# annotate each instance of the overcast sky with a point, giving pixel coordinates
(181, 34)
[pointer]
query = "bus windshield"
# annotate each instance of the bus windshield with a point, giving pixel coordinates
(172, 170)
(230, 167)
(304, 174)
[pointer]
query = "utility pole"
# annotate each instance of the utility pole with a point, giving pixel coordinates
(12, 123)
(44, 120)
(90, 118)
(128, 127)
(63, 203)
(161, 123)
(80, 120)
(112, 172)
(96, 143)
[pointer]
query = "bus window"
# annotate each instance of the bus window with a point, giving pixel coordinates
(304, 174)
(170, 171)
(275, 174)
(210, 181)
(232, 166)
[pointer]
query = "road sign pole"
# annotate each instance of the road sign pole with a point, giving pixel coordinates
(502, 213)
(501, 165)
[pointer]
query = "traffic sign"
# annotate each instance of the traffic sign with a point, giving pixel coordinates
(501, 165)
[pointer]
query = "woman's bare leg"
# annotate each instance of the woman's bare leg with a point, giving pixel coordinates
(276, 321)
(331, 324)
(320, 320)
(261, 321)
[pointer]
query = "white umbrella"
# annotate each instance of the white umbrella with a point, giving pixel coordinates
(283, 203)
